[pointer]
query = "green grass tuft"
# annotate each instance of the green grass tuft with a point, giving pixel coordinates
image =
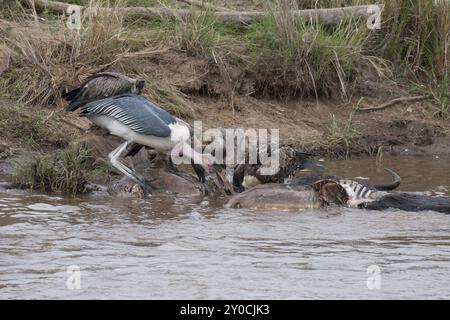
(339, 137)
(65, 171)
(417, 33)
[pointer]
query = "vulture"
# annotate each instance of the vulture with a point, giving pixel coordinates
(102, 85)
(290, 160)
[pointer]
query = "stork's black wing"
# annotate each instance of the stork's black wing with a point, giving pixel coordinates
(134, 111)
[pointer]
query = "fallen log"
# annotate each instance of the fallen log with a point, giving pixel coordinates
(324, 16)
(205, 5)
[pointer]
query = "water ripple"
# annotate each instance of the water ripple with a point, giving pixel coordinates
(161, 248)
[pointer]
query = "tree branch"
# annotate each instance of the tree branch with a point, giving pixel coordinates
(324, 16)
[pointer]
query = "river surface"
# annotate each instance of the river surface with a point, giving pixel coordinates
(180, 248)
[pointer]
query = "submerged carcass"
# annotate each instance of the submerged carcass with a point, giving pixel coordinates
(298, 196)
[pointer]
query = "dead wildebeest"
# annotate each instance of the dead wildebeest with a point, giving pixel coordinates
(409, 202)
(303, 194)
(310, 179)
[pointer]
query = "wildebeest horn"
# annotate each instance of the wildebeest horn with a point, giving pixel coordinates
(388, 186)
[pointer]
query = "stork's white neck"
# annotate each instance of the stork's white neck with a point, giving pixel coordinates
(188, 152)
(179, 132)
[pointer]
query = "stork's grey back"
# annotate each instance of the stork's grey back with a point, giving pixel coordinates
(136, 112)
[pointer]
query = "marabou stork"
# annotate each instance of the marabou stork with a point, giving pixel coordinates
(139, 121)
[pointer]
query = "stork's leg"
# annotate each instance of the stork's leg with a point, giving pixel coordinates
(114, 155)
(169, 163)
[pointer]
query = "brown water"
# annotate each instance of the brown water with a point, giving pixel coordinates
(178, 248)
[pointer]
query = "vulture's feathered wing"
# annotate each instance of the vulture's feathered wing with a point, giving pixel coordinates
(102, 85)
(290, 161)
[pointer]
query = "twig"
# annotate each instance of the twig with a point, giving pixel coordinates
(49, 116)
(392, 102)
(73, 124)
(5, 61)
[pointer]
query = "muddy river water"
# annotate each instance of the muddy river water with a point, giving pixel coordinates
(166, 247)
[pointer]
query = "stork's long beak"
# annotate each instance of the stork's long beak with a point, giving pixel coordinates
(208, 162)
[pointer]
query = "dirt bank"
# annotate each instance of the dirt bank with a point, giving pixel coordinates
(228, 76)
(327, 128)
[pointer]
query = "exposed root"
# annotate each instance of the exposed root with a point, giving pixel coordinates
(392, 102)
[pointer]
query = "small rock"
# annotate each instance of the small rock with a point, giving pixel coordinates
(5, 150)
(3, 146)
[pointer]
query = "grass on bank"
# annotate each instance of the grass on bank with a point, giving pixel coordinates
(285, 56)
(339, 137)
(65, 171)
(416, 38)
(281, 54)
(416, 34)
(49, 57)
(289, 57)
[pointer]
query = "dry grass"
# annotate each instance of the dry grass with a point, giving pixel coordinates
(282, 55)
(339, 136)
(417, 34)
(32, 129)
(48, 57)
(294, 57)
(416, 37)
(166, 94)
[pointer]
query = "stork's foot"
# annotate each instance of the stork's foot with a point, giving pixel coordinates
(128, 172)
(113, 158)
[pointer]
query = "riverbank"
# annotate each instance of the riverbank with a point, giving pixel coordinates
(401, 130)
(225, 76)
